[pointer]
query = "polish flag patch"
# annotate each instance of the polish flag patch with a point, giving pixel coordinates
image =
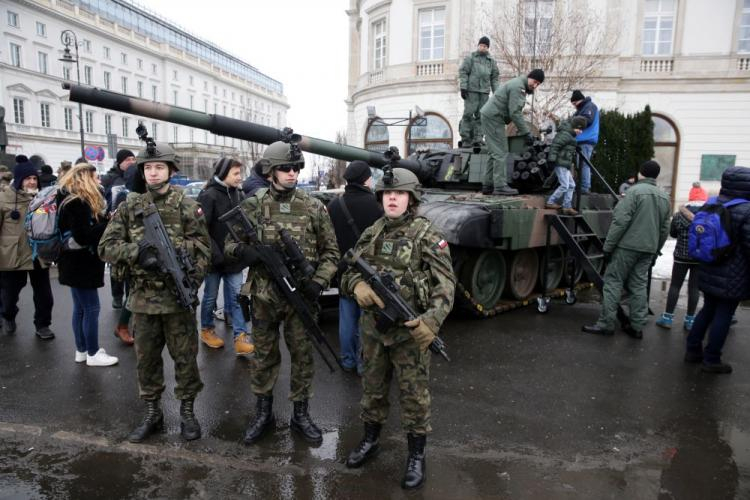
(442, 244)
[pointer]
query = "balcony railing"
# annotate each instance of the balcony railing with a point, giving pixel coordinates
(743, 63)
(430, 69)
(656, 65)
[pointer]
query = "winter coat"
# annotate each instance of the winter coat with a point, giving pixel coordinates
(15, 251)
(113, 177)
(730, 278)
(478, 73)
(640, 220)
(81, 268)
(364, 209)
(216, 200)
(254, 183)
(507, 103)
(562, 151)
(588, 110)
(679, 229)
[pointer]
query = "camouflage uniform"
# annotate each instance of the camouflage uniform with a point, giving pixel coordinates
(415, 252)
(308, 222)
(159, 317)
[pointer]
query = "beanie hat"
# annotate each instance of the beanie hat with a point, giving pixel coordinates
(357, 172)
(21, 158)
(122, 155)
(650, 169)
(46, 169)
(537, 74)
(578, 122)
(222, 166)
(577, 96)
(22, 171)
(484, 41)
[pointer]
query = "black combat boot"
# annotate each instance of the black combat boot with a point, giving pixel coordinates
(415, 463)
(152, 422)
(367, 448)
(302, 423)
(262, 420)
(189, 426)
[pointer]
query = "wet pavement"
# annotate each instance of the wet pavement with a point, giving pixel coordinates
(529, 409)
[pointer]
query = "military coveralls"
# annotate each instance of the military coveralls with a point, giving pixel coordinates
(505, 106)
(419, 258)
(307, 220)
(477, 75)
(158, 315)
(640, 226)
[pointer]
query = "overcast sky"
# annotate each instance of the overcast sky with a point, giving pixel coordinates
(302, 43)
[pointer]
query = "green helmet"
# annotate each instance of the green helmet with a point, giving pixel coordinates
(403, 180)
(276, 154)
(162, 152)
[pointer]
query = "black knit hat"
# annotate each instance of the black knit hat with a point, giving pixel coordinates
(22, 171)
(484, 41)
(537, 74)
(357, 172)
(122, 155)
(650, 169)
(222, 167)
(577, 96)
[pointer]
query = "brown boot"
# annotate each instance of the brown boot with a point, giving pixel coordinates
(122, 333)
(569, 211)
(209, 337)
(243, 345)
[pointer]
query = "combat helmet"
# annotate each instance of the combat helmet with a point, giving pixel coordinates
(280, 153)
(158, 151)
(402, 180)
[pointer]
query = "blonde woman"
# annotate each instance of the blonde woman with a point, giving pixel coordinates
(83, 219)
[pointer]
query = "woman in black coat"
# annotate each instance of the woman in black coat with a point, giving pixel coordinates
(82, 219)
(726, 283)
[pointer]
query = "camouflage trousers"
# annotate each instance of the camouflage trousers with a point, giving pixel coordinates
(180, 334)
(267, 321)
(412, 369)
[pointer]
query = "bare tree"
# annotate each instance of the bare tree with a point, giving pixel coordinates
(569, 41)
(338, 167)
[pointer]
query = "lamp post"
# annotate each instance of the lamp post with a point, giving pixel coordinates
(68, 38)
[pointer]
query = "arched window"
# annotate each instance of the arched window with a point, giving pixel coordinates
(376, 136)
(666, 152)
(433, 132)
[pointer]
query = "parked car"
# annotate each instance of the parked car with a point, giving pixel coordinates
(192, 189)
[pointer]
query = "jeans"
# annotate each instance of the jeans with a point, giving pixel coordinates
(679, 271)
(12, 284)
(565, 189)
(349, 313)
(232, 285)
(587, 150)
(86, 319)
(716, 314)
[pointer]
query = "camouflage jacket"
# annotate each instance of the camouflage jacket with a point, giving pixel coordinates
(151, 292)
(306, 220)
(419, 258)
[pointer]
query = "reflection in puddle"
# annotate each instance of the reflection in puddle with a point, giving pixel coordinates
(327, 449)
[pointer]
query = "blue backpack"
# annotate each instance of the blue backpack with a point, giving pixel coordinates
(710, 233)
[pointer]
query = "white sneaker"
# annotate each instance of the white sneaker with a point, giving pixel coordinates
(101, 358)
(80, 357)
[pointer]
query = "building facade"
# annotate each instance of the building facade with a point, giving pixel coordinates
(689, 60)
(124, 48)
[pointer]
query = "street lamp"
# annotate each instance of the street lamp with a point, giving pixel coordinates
(68, 38)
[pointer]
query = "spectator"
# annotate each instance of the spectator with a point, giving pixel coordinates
(352, 213)
(626, 185)
(47, 178)
(682, 265)
(6, 177)
(83, 213)
(589, 137)
(640, 226)
(726, 282)
(697, 193)
(16, 260)
(256, 181)
(221, 195)
(562, 154)
(65, 167)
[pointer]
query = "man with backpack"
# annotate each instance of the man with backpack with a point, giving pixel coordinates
(719, 238)
(640, 226)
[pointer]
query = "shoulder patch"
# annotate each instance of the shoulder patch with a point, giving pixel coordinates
(441, 244)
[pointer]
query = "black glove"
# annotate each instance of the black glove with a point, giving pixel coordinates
(529, 140)
(148, 256)
(312, 290)
(248, 255)
(464, 93)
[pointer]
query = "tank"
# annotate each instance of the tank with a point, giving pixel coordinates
(498, 243)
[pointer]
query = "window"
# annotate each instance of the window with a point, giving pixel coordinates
(41, 29)
(174, 97)
(174, 134)
(42, 62)
(15, 55)
(13, 20)
(216, 108)
(68, 114)
(205, 105)
(224, 93)
(90, 122)
(233, 96)
(66, 73)
(431, 34)
(378, 45)
(658, 27)
(216, 90)
(125, 126)
(191, 80)
(123, 58)
(44, 109)
(86, 44)
(18, 114)
(139, 85)
(153, 68)
(376, 136)
(537, 26)
(108, 124)
(153, 93)
(88, 72)
(106, 52)
(431, 132)
(174, 75)
(743, 42)
(153, 130)
(124, 81)
(107, 80)
(139, 63)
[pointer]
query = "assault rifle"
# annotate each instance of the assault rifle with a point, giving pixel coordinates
(396, 310)
(274, 262)
(175, 262)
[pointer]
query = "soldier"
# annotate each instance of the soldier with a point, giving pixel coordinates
(159, 317)
(282, 205)
(408, 246)
(478, 75)
(505, 106)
